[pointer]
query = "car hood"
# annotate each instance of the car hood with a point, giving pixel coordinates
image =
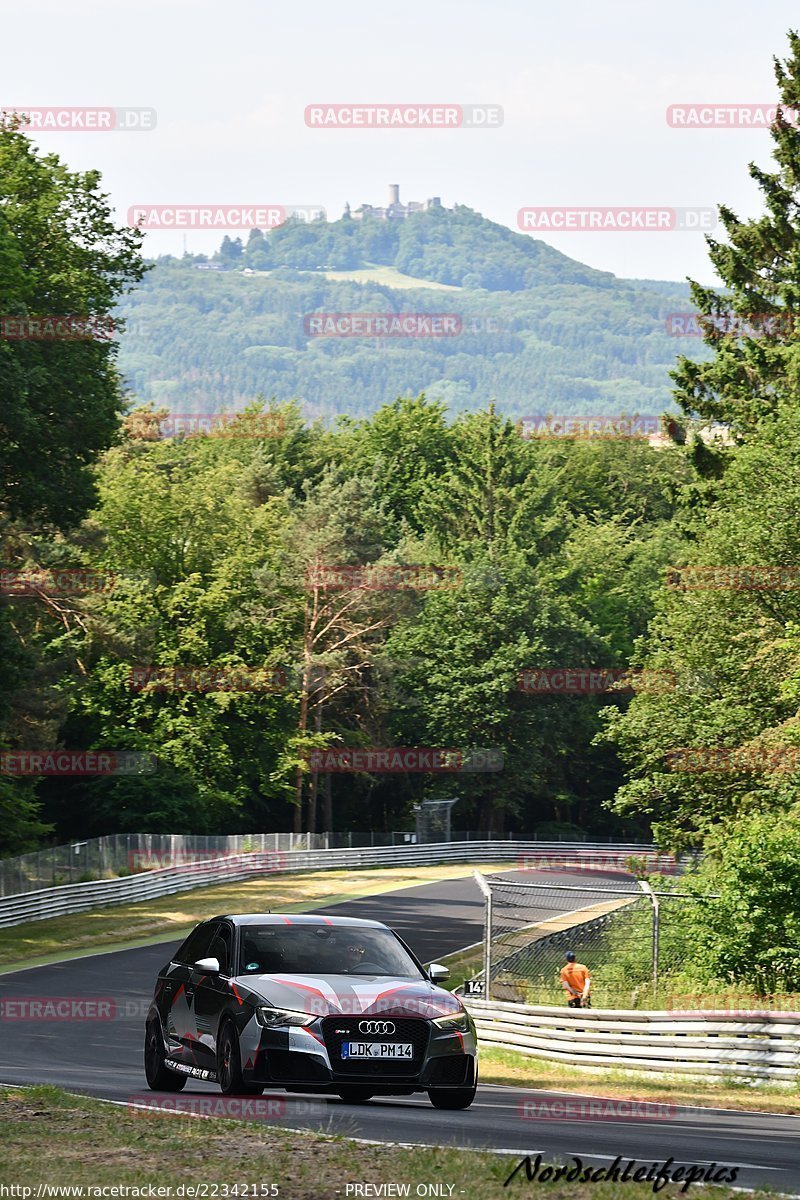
(333, 995)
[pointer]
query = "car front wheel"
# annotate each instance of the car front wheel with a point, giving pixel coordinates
(451, 1097)
(229, 1065)
(159, 1077)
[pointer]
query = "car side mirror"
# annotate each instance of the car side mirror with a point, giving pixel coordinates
(209, 965)
(438, 971)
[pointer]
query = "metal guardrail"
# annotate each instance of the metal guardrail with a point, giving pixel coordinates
(765, 1046)
(79, 897)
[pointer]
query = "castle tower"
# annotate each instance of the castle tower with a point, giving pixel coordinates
(394, 193)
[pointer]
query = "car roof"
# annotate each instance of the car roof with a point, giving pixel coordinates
(297, 919)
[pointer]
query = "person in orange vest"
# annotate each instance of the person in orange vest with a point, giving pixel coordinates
(576, 982)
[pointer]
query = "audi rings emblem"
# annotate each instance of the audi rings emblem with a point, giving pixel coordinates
(376, 1027)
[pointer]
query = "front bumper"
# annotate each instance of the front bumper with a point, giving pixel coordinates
(309, 1058)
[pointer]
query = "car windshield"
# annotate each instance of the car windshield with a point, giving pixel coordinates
(323, 950)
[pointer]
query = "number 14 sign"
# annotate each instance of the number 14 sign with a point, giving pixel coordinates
(475, 987)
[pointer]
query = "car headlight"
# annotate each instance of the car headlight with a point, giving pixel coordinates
(283, 1016)
(454, 1023)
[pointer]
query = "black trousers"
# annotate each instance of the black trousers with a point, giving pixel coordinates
(576, 1002)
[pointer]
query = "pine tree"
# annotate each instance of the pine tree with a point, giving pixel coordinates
(752, 328)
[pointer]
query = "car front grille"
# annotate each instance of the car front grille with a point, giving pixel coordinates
(336, 1030)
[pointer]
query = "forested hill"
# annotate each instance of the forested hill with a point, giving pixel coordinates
(537, 331)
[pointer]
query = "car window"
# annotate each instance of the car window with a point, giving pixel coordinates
(198, 943)
(221, 948)
(323, 950)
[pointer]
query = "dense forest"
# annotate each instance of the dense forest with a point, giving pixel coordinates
(537, 331)
(228, 552)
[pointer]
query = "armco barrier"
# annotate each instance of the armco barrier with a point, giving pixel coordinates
(78, 897)
(704, 1044)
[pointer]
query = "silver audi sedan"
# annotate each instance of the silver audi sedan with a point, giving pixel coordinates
(308, 1003)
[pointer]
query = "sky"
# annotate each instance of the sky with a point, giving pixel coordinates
(584, 90)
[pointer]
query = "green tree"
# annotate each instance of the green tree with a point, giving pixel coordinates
(231, 252)
(184, 536)
(407, 444)
(726, 629)
(748, 930)
(60, 399)
(756, 355)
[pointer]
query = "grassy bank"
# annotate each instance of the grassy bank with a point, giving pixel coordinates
(505, 1066)
(93, 1144)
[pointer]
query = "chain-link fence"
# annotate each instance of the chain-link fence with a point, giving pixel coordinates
(633, 940)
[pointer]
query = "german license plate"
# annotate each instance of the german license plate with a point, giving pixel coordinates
(377, 1050)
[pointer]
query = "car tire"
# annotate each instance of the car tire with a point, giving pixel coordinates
(229, 1065)
(158, 1075)
(355, 1094)
(452, 1097)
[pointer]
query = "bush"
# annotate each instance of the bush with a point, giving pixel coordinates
(750, 934)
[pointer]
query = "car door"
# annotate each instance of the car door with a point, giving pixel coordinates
(180, 1024)
(211, 992)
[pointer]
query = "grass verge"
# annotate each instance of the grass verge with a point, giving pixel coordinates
(122, 925)
(50, 1137)
(506, 1066)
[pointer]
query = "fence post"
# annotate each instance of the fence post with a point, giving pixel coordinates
(487, 934)
(648, 891)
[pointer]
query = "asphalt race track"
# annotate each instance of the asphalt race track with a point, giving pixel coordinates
(103, 1058)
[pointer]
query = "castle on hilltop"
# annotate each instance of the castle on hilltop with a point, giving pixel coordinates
(395, 210)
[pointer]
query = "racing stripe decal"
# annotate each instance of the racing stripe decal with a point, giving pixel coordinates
(306, 987)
